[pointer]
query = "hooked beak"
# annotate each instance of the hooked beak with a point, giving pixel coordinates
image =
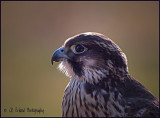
(59, 55)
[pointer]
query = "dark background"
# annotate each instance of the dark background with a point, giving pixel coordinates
(31, 31)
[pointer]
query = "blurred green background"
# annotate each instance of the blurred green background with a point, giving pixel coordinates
(31, 31)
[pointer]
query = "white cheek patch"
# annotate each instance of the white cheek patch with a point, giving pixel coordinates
(65, 67)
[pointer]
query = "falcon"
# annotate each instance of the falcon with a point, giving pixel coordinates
(100, 84)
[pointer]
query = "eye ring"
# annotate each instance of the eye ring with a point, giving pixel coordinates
(78, 49)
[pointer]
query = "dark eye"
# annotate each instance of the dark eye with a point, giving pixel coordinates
(79, 48)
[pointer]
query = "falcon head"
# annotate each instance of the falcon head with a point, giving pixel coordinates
(89, 57)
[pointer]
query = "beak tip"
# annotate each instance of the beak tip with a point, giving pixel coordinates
(58, 56)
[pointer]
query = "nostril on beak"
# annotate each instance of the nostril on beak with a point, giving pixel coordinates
(62, 50)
